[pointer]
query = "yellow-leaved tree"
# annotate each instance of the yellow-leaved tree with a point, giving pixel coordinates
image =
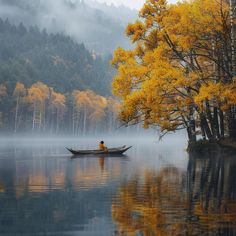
(38, 93)
(19, 95)
(179, 75)
(58, 108)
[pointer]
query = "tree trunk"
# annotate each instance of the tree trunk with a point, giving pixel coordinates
(57, 125)
(73, 119)
(34, 114)
(210, 118)
(231, 124)
(222, 125)
(191, 127)
(206, 127)
(216, 122)
(16, 114)
(84, 121)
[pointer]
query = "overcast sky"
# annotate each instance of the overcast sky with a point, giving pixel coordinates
(130, 3)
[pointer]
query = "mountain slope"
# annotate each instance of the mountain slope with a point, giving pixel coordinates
(100, 26)
(32, 55)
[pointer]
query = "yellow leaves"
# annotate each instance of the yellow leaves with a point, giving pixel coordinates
(172, 67)
(130, 74)
(99, 105)
(83, 99)
(121, 87)
(38, 92)
(58, 100)
(153, 11)
(19, 90)
(152, 40)
(135, 31)
(224, 95)
(122, 56)
(132, 104)
(95, 106)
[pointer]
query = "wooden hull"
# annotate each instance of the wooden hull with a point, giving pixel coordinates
(119, 150)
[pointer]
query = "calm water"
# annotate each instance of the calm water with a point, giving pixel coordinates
(156, 189)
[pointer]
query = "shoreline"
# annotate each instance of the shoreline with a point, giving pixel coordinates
(204, 147)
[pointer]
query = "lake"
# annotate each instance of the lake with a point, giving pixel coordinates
(155, 189)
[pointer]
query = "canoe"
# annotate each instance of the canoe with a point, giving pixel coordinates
(118, 150)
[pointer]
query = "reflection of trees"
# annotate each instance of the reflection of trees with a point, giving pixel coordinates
(47, 195)
(173, 203)
(212, 193)
(147, 206)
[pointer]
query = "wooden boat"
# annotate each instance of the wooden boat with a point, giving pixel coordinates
(118, 150)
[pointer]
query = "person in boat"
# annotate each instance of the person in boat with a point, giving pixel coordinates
(102, 146)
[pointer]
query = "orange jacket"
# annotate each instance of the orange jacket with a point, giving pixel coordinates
(102, 146)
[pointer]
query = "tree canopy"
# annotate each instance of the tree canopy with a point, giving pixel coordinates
(180, 75)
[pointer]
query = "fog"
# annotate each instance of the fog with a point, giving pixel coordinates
(99, 25)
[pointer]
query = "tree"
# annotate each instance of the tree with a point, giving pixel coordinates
(178, 69)
(83, 105)
(37, 95)
(58, 108)
(98, 114)
(19, 94)
(113, 107)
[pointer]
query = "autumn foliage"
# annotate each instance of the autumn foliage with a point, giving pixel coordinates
(41, 109)
(180, 74)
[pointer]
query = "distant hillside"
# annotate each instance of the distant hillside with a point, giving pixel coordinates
(32, 55)
(99, 26)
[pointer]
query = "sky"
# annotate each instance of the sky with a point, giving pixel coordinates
(130, 3)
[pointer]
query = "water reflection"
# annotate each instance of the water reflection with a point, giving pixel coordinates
(42, 195)
(102, 163)
(212, 192)
(199, 201)
(155, 190)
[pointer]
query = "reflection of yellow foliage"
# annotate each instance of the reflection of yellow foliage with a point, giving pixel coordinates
(159, 204)
(58, 180)
(214, 217)
(95, 176)
(38, 183)
(144, 205)
(89, 178)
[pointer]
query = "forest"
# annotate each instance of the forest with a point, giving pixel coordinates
(51, 84)
(40, 109)
(181, 72)
(95, 24)
(31, 55)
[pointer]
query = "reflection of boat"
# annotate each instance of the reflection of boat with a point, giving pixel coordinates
(118, 150)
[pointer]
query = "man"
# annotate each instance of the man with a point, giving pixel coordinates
(102, 147)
